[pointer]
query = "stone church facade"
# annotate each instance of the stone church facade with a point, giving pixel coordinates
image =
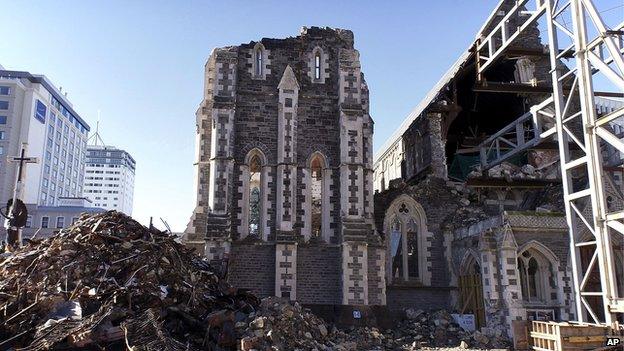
(284, 172)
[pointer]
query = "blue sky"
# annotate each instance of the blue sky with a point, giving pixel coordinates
(141, 64)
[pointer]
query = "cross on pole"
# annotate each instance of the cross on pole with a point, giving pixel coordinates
(14, 231)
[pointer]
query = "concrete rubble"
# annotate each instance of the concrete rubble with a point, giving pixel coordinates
(280, 325)
(510, 171)
(107, 282)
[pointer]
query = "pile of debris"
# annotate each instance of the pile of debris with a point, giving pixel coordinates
(419, 330)
(511, 172)
(108, 281)
(280, 325)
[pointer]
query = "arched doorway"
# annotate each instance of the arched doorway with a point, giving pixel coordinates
(471, 289)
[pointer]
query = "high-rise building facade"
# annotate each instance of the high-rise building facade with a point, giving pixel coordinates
(109, 178)
(35, 112)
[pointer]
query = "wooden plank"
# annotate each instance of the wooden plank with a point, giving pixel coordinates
(585, 339)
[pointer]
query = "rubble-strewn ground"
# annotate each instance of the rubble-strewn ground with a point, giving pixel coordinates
(286, 326)
(108, 283)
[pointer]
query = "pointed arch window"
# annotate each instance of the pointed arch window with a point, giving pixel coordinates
(407, 236)
(258, 62)
(317, 61)
(316, 174)
(317, 65)
(535, 275)
(254, 195)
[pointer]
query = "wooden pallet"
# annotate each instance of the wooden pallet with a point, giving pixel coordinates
(562, 336)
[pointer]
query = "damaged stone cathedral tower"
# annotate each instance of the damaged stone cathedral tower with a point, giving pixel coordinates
(284, 172)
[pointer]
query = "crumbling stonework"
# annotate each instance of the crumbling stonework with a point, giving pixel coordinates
(462, 235)
(284, 169)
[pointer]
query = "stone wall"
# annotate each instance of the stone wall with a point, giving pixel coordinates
(318, 275)
(252, 266)
(401, 298)
(263, 101)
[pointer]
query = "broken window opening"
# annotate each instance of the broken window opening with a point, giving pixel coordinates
(535, 276)
(316, 189)
(405, 227)
(254, 195)
(412, 250)
(396, 239)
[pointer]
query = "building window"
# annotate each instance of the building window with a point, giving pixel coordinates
(4, 90)
(317, 168)
(317, 65)
(1, 150)
(45, 222)
(4, 105)
(404, 250)
(60, 222)
(29, 220)
(396, 249)
(405, 226)
(3, 119)
(254, 195)
(258, 62)
(74, 220)
(536, 273)
(2, 135)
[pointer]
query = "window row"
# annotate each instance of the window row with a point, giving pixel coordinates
(255, 193)
(317, 64)
(45, 222)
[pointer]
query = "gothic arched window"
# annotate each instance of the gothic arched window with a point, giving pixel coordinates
(316, 189)
(258, 61)
(317, 65)
(406, 236)
(316, 62)
(535, 276)
(255, 169)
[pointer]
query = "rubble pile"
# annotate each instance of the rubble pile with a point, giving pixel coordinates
(510, 172)
(419, 330)
(107, 281)
(280, 325)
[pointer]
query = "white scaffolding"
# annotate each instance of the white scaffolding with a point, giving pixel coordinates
(576, 30)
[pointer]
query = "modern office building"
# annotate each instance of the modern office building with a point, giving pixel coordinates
(109, 178)
(34, 111)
